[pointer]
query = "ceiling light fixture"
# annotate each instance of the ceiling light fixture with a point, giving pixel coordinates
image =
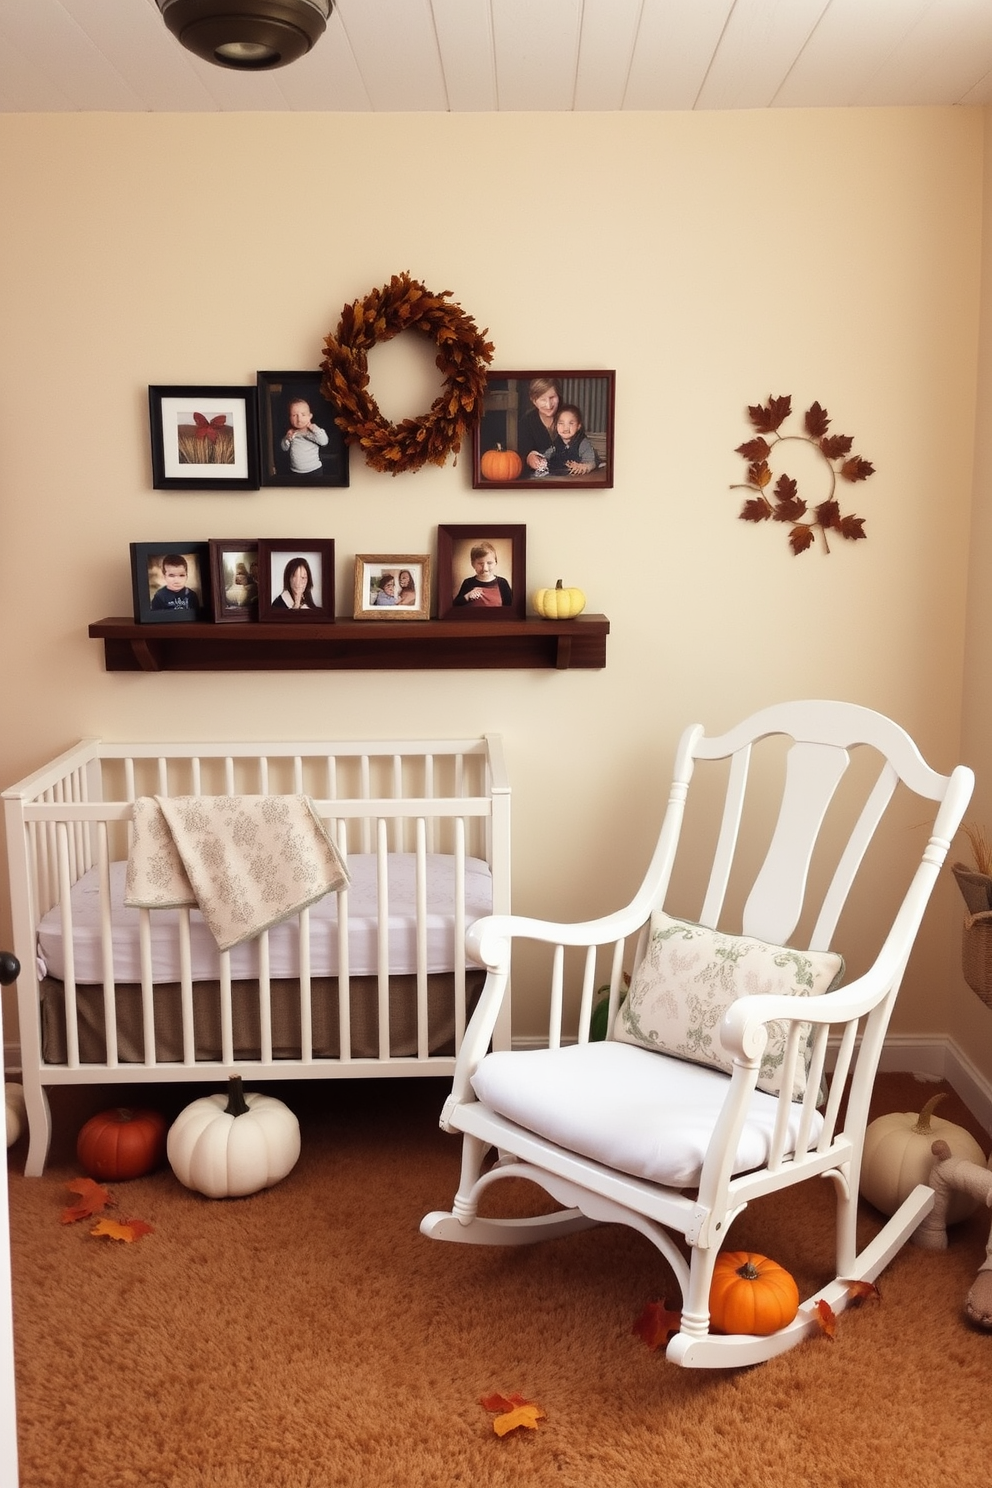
(249, 35)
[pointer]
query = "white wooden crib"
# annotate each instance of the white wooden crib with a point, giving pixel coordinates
(371, 981)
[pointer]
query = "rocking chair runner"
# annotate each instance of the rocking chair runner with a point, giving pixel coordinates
(712, 1086)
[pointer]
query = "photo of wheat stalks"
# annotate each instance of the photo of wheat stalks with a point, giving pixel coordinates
(205, 440)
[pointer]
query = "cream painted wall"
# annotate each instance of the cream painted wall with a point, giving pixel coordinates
(721, 257)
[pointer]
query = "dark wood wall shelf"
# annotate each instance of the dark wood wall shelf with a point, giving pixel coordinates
(354, 645)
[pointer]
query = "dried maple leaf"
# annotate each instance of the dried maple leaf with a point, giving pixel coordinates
(862, 1291)
(857, 469)
(756, 449)
(767, 418)
(127, 1230)
(756, 510)
(816, 421)
(800, 538)
(656, 1324)
(836, 445)
(759, 475)
(852, 527)
(93, 1199)
(826, 1318)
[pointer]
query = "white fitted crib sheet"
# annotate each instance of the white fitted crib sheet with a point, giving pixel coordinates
(284, 938)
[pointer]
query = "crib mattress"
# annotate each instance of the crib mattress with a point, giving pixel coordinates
(284, 938)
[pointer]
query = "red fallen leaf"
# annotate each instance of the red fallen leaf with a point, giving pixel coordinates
(129, 1230)
(94, 1198)
(826, 1318)
(514, 1411)
(862, 1291)
(656, 1324)
(852, 527)
(498, 1402)
(209, 428)
(817, 422)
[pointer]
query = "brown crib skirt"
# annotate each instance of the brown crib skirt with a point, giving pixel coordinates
(246, 1019)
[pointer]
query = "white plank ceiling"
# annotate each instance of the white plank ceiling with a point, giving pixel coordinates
(468, 56)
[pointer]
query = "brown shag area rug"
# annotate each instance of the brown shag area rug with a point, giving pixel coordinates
(309, 1336)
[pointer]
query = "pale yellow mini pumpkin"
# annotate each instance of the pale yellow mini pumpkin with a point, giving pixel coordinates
(559, 603)
(14, 1103)
(898, 1156)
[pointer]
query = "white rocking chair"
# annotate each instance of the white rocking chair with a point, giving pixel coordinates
(645, 1128)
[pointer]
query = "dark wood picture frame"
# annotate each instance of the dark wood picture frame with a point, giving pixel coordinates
(234, 579)
(501, 446)
(204, 438)
(151, 563)
(455, 570)
(277, 392)
(277, 556)
(409, 601)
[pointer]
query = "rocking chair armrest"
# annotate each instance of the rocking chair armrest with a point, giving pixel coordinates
(743, 1030)
(488, 939)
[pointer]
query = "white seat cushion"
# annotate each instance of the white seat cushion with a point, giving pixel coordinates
(640, 1112)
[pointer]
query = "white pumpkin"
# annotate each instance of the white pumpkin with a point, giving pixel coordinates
(898, 1156)
(14, 1103)
(226, 1146)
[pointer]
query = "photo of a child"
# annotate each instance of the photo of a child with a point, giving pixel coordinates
(481, 572)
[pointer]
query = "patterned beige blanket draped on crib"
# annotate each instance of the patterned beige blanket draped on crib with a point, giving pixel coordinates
(245, 862)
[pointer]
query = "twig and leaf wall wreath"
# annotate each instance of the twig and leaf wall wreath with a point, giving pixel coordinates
(463, 354)
(785, 503)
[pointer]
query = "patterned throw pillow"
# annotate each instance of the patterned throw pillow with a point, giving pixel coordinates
(689, 977)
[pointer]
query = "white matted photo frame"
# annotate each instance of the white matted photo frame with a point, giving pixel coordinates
(299, 442)
(392, 586)
(204, 438)
(296, 580)
(481, 571)
(170, 582)
(234, 579)
(544, 431)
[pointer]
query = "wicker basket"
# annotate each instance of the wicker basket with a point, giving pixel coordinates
(976, 954)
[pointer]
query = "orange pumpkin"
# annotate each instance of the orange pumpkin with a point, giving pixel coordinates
(751, 1294)
(122, 1143)
(501, 465)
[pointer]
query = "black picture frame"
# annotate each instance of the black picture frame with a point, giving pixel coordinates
(204, 438)
(277, 392)
(150, 565)
(455, 544)
(234, 579)
(508, 412)
(276, 556)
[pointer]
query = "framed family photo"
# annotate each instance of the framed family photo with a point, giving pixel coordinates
(392, 586)
(300, 444)
(170, 582)
(481, 572)
(234, 579)
(204, 438)
(296, 580)
(545, 431)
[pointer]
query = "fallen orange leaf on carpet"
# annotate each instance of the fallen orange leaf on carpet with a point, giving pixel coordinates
(826, 1317)
(514, 1411)
(129, 1230)
(656, 1324)
(93, 1199)
(862, 1291)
